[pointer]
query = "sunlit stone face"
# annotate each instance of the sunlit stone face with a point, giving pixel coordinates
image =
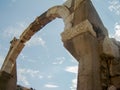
(68, 3)
(77, 2)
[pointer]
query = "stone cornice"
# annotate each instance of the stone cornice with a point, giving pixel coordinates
(83, 27)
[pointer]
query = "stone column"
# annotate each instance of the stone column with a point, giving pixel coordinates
(82, 43)
(8, 81)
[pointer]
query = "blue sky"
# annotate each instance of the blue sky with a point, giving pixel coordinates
(44, 63)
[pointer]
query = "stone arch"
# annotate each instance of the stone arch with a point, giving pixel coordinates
(18, 44)
(45, 18)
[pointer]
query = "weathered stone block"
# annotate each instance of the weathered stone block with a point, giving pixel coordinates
(68, 3)
(59, 11)
(77, 3)
(85, 10)
(116, 81)
(115, 67)
(110, 48)
(68, 21)
(83, 27)
(8, 81)
(83, 47)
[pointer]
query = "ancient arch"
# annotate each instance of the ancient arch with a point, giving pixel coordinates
(18, 44)
(9, 65)
(84, 36)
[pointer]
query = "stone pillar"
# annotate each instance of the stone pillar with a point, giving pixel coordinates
(82, 43)
(8, 81)
(111, 56)
(12, 82)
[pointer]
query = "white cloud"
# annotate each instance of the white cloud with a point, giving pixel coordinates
(23, 56)
(33, 73)
(14, 31)
(115, 6)
(51, 86)
(36, 41)
(117, 31)
(74, 84)
(22, 78)
(23, 73)
(49, 76)
(59, 60)
(72, 69)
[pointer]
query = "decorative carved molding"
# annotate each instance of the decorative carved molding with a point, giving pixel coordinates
(83, 27)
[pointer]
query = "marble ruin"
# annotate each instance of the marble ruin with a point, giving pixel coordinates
(84, 36)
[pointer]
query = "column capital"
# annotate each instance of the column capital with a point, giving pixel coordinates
(83, 27)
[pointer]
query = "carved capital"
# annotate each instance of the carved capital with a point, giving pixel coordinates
(83, 27)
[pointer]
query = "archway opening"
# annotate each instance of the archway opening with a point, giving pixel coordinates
(46, 62)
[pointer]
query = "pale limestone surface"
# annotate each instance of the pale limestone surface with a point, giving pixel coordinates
(60, 11)
(68, 3)
(110, 48)
(68, 21)
(83, 27)
(77, 2)
(83, 47)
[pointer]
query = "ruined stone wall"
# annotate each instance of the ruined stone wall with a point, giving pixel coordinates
(99, 61)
